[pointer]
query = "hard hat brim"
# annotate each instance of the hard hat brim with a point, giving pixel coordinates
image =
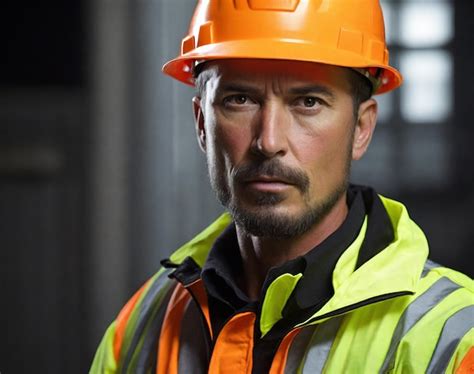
(181, 68)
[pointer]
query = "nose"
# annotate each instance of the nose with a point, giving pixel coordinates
(271, 138)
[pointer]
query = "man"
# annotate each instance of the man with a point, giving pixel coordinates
(305, 273)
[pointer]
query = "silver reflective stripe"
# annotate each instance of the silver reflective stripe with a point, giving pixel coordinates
(415, 311)
(429, 265)
(298, 349)
(150, 308)
(320, 346)
(454, 329)
(194, 350)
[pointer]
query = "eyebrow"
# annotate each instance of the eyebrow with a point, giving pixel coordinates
(238, 87)
(312, 89)
(302, 90)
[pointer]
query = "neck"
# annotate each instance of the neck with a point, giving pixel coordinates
(260, 254)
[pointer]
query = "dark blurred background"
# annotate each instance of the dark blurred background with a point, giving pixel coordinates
(100, 176)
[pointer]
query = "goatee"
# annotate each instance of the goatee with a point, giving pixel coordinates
(262, 220)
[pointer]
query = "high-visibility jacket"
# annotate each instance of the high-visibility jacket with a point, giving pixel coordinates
(397, 313)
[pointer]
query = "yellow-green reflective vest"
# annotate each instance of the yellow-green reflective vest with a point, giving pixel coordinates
(397, 313)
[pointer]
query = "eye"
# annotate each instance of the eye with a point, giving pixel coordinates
(309, 101)
(238, 99)
(239, 102)
(308, 104)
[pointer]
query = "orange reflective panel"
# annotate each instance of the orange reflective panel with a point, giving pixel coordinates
(467, 364)
(122, 320)
(199, 292)
(168, 347)
(234, 346)
(279, 361)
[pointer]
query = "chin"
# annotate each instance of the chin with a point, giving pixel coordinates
(273, 221)
(274, 215)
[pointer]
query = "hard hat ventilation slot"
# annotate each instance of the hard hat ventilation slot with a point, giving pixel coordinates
(282, 5)
(188, 44)
(205, 34)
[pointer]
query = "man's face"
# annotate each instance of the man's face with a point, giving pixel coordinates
(278, 137)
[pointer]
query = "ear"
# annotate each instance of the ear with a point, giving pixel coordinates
(199, 123)
(364, 129)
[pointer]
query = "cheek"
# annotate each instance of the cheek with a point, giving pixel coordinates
(232, 140)
(324, 156)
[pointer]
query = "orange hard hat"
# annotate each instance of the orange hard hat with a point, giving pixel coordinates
(347, 33)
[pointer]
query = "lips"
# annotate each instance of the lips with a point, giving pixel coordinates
(267, 179)
(268, 184)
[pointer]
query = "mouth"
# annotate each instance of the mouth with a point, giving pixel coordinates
(266, 183)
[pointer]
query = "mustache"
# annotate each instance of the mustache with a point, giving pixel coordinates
(272, 168)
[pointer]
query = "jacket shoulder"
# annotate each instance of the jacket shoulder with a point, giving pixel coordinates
(140, 318)
(433, 272)
(438, 324)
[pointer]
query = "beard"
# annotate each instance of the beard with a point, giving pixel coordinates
(262, 219)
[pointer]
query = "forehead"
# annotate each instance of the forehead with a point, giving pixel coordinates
(289, 72)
